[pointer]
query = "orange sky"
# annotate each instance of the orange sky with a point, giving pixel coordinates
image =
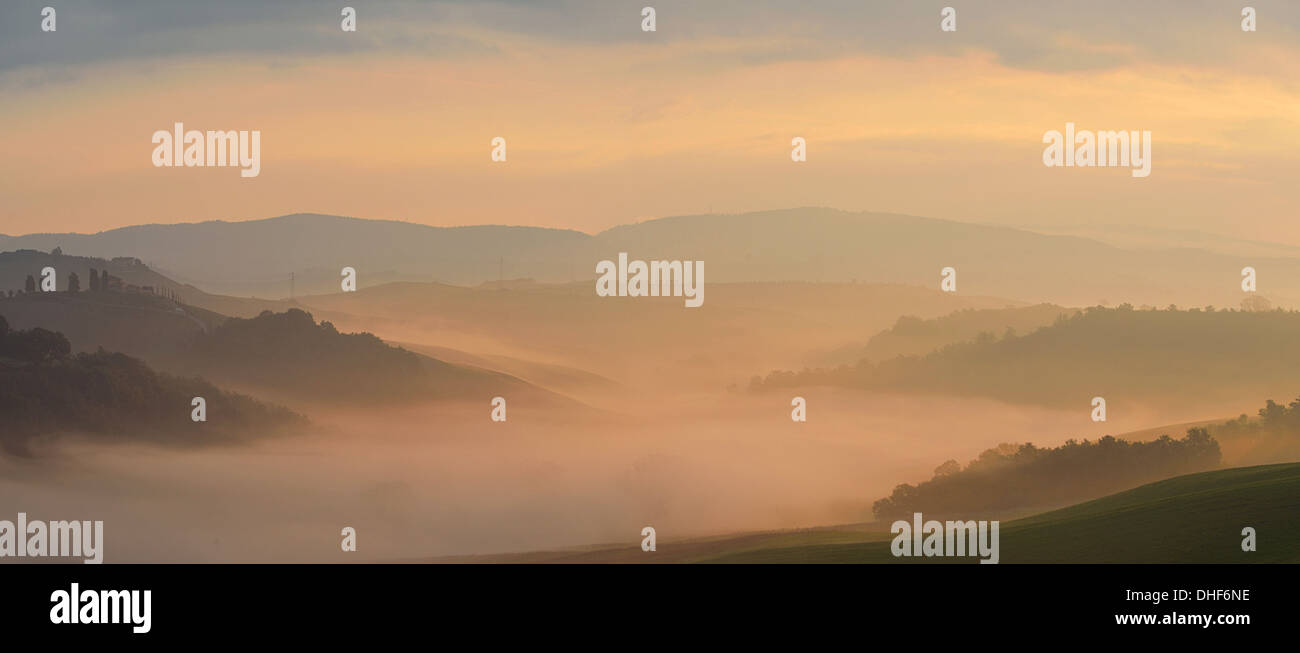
(602, 133)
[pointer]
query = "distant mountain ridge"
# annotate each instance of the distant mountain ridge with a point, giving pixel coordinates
(806, 244)
(256, 257)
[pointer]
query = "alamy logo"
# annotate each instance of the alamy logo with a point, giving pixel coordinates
(77, 606)
(57, 539)
(945, 539)
(653, 279)
(194, 148)
(1086, 149)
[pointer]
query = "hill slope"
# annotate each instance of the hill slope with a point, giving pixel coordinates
(15, 266)
(651, 342)
(141, 325)
(291, 354)
(913, 336)
(1195, 518)
(47, 391)
(285, 353)
(1161, 357)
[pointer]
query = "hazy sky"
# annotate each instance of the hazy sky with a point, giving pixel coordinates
(607, 124)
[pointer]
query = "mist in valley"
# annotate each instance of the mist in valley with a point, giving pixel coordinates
(620, 415)
(441, 479)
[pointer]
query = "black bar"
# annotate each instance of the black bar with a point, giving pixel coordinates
(533, 604)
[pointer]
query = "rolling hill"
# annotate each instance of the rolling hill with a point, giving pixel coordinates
(913, 336)
(1196, 518)
(142, 325)
(256, 257)
(638, 342)
(47, 391)
(1155, 357)
(303, 361)
(292, 355)
(15, 266)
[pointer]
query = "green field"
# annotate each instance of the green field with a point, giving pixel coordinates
(1195, 518)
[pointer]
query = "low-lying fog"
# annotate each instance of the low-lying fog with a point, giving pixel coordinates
(440, 480)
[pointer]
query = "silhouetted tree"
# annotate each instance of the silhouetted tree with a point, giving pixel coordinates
(103, 281)
(949, 467)
(30, 286)
(94, 280)
(1272, 413)
(35, 345)
(74, 284)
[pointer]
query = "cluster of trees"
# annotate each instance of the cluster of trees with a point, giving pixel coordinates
(1141, 355)
(1271, 437)
(912, 335)
(33, 345)
(1273, 418)
(100, 281)
(44, 389)
(293, 354)
(74, 282)
(1021, 477)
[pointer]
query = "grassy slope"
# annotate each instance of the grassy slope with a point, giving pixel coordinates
(1195, 518)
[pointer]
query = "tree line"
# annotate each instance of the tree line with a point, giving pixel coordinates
(1016, 477)
(100, 281)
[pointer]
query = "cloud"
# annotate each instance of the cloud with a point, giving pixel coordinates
(606, 122)
(97, 33)
(1053, 36)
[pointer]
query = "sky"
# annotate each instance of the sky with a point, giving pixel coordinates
(606, 124)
